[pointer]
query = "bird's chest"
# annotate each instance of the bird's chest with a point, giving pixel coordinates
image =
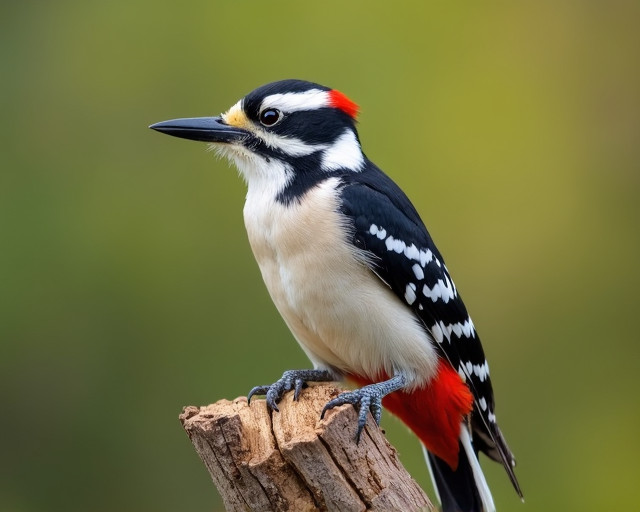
(342, 316)
(301, 249)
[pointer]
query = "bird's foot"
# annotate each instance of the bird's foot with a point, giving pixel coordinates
(367, 399)
(294, 380)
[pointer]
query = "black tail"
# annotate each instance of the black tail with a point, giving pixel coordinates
(459, 490)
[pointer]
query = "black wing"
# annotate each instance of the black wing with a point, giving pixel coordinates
(404, 256)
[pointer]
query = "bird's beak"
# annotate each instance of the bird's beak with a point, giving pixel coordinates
(205, 129)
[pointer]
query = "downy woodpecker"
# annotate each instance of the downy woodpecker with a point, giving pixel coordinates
(357, 278)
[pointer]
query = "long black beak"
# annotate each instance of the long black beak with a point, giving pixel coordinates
(205, 129)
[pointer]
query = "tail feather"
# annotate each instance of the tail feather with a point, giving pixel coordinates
(465, 488)
(488, 439)
(434, 414)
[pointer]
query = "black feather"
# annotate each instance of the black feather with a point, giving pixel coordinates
(457, 489)
(371, 198)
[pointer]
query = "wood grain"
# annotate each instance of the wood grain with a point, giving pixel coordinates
(292, 461)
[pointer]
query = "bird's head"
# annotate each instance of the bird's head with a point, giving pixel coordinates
(279, 130)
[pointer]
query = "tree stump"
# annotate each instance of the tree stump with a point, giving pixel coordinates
(292, 461)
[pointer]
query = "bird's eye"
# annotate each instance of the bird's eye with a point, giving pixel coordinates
(270, 116)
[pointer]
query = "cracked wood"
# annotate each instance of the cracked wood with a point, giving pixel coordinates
(293, 461)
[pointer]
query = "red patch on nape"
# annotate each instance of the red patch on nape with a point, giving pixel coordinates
(340, 101)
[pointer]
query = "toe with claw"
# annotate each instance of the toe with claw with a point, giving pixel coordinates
(294, 380)
(365, 400)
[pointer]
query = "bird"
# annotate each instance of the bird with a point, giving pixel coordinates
(357, 278)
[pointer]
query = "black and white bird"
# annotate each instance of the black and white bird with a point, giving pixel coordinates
(358, 280)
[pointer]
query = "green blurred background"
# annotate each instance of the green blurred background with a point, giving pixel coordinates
(128, 290)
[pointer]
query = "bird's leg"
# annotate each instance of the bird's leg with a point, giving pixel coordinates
(367, 399)
(291, 379)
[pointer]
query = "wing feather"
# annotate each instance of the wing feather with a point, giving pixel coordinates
(404, 256)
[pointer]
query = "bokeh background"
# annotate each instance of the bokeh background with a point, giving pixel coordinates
(127, 286)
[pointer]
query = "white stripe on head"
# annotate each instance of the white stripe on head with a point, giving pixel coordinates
(344, 153)
(288, 145)
(312, 99)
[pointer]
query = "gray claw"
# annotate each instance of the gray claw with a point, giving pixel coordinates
(365, 400)
(274, 395)
(258, 390)
(294, 380)
(298, 388)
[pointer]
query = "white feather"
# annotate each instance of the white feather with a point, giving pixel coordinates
(295, 101)
(308, 262)
(344, 153)
(287, 144)
(433, 477)
(478, 475)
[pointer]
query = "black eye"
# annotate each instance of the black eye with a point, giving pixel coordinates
(270, 116)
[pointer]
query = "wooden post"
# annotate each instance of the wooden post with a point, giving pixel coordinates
(293, 461)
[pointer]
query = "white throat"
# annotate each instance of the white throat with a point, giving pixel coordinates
(266, 176)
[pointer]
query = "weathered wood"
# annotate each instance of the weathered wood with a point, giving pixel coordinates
(293, 461)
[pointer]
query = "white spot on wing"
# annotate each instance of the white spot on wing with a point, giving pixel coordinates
(419, 273)
(373, 229)
(412, 253)
(431, 293)
(459, 329)
(437, 333)
(450, 289)
(448, 329)
(425, 257)
(481, 371)
(467, 328)
(389, 243)
(410, 293)
(440, 290)
(483, 404)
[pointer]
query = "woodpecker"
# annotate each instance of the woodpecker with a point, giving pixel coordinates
(358, 280)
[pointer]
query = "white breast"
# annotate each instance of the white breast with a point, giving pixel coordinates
(342, 315)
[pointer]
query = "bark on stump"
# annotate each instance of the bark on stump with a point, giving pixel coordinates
(293, 461)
